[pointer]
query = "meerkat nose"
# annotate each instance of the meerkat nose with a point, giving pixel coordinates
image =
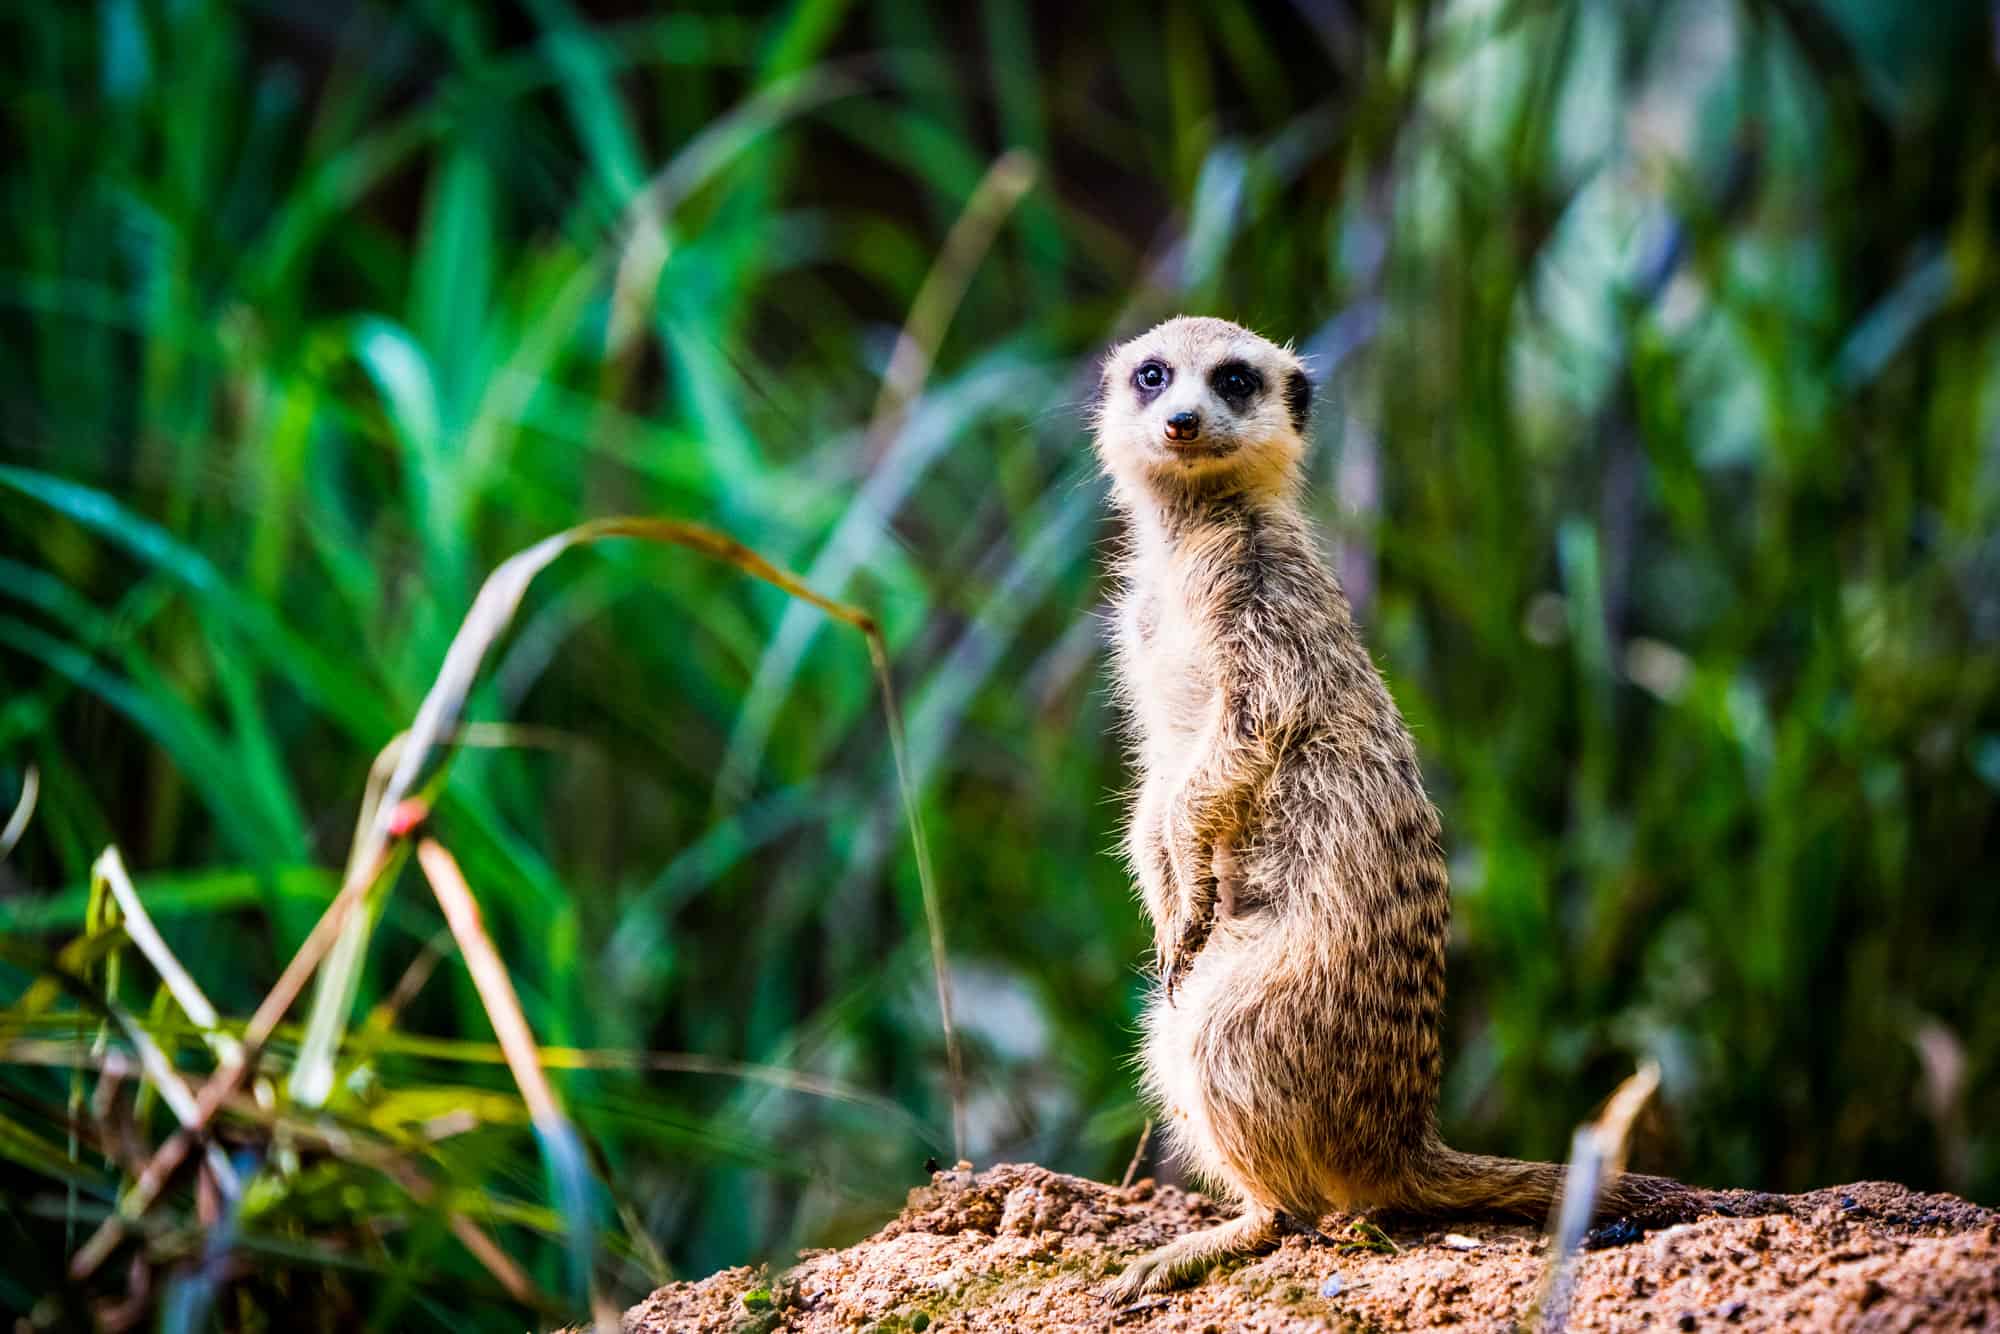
(1183, 426)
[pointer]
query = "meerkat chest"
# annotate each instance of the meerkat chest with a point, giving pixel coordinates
(1170, 671)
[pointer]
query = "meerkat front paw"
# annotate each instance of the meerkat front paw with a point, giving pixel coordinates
(1178, 964)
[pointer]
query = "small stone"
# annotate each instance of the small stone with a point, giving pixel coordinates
(1330, 1288)
(1687, 1320)
(1458, 1241)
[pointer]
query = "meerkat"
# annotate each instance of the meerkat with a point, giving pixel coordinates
(1283, 843)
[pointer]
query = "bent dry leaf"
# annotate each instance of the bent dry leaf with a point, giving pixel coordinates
(399, 795)
(124, 909)
(180, 984)
(403, 783)
(408, 758)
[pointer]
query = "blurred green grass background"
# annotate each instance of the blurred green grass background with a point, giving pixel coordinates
(1658, 444)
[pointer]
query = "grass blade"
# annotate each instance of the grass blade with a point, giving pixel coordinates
(1010, 177)
(187, 993)
(492, 611)
(357, 704)
(24, 811)
(167, 1159)
(561, 1148)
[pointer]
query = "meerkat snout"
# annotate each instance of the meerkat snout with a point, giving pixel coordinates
(1203, 404)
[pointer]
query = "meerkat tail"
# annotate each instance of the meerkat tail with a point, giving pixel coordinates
(1450, 1182)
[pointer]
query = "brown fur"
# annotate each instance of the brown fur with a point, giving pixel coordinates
(1281, 836)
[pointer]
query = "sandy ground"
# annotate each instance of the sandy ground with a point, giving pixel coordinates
(1022, 1248)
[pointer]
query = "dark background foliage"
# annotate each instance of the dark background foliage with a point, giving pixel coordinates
(1658, 445)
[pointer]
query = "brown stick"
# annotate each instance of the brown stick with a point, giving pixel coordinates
(1138, 1153)
(490, 979)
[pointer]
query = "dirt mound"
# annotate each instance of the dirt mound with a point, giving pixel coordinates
(1023, 1248)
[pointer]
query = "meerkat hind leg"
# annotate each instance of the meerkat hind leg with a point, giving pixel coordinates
(1186, 1259)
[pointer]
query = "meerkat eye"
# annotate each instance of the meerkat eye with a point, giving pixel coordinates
(1152, 377)
(1235, 381)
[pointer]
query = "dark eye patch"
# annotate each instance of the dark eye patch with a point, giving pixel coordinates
(1236, 381)
(1151, 378)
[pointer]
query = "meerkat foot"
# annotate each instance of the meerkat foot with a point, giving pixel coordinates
(1188, 1258)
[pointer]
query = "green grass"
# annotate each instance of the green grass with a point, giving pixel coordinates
(1661, 349)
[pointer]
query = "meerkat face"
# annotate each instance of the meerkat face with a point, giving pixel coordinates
(1200, 403)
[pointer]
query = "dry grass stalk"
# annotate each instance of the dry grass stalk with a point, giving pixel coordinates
(1597, 1156)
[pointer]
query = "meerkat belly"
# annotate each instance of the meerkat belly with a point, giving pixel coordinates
(1171, 682)
(1244, 1107)
(1273, 1108)
(1178, 1071)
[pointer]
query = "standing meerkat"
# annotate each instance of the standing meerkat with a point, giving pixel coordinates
(1289, 858)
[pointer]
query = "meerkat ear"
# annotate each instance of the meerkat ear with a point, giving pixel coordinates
(1299, 398)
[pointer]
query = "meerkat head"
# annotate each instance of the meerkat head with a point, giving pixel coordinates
(1201, 406)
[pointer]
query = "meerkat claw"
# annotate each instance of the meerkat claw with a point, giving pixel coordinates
(1177, 970)
(1144, 1277)
(1189, 1259)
